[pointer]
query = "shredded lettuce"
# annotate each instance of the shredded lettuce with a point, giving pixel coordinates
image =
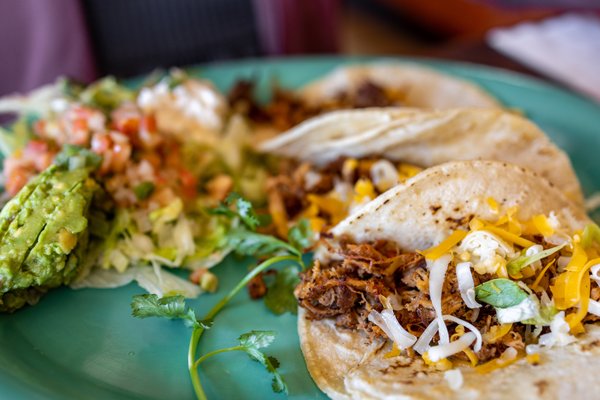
(154, 280)
(106, 94)
(16, 137)
(517, 264)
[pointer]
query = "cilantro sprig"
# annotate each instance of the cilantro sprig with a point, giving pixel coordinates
(243, 240)
(251, 343)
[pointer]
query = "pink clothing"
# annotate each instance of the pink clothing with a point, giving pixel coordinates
(40, 41)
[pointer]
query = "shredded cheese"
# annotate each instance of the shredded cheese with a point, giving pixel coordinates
(441, 351)
(496, 333)
(542, 225)
(538, 279)
(437, 273)
(363, 191)
(433, 253)
(508, 357)
(508, 236)
(493, 205)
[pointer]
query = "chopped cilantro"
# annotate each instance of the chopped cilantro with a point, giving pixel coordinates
(280, 292)
(143, 190)
(300, 235)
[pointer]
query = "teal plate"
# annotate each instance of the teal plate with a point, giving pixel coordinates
(85, 345)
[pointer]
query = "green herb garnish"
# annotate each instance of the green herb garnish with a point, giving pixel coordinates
(243, 240)
(243, 210)
(500, 293)
(143, 190)
(280, 292)
(516, 265)
(250, 343)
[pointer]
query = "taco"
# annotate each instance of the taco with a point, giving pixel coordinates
(408, 85)
(340, 160)
(471, 279)
(356, 87)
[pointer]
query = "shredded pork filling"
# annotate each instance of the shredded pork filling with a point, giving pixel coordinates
(286, 109)
(347, 290)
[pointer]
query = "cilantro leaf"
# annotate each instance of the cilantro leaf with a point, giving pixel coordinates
(143, 190)
(257, 339)
(300, 235)
(517, 264)
(280, 293)
(243, 210)
(250, 343)
(248, 243)
(171, 307)
(500, 293)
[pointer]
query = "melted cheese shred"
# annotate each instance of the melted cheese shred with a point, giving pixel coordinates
(444, 247)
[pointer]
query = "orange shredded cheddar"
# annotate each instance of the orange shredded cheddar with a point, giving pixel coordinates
(493, 205)
(407, 171)
(533, 358)
(574, 319)
(542, 225)
(441, 365)
(433, 253)
(394, 352)
(332, 206)
(476, 224)
(471, 356)
(349, 166)
(494, 364)
(566, 290)
(538, 279)
(508, 236)
(496, 333)
(363, 189)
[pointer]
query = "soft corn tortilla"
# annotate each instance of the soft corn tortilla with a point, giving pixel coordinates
(416, 215)
(421, 86)
(427, 138)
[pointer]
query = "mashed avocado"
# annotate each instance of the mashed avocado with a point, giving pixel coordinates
(43, 234)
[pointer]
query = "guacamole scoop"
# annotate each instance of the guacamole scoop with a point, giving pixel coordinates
(44, 233)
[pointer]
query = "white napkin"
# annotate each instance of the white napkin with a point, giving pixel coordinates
(566, 48)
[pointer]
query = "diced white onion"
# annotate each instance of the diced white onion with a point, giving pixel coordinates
(594, 307)
(436, 353)
(466, 284)
(470, 327)
(437, 274)
(454, 378)
(389, 324)
(422, 344)
(595, 273)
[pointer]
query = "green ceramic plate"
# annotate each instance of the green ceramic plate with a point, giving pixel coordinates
(85, 345)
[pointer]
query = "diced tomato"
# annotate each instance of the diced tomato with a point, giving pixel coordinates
(128, 126)
(79, 124)
(39, 127)
(149, 123)
(188, 183)
(16, 180)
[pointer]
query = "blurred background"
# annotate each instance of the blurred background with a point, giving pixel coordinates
(85, 39)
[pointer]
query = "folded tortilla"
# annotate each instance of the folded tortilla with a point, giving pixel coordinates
(429, 137)
(420, 213)
(420, 86)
